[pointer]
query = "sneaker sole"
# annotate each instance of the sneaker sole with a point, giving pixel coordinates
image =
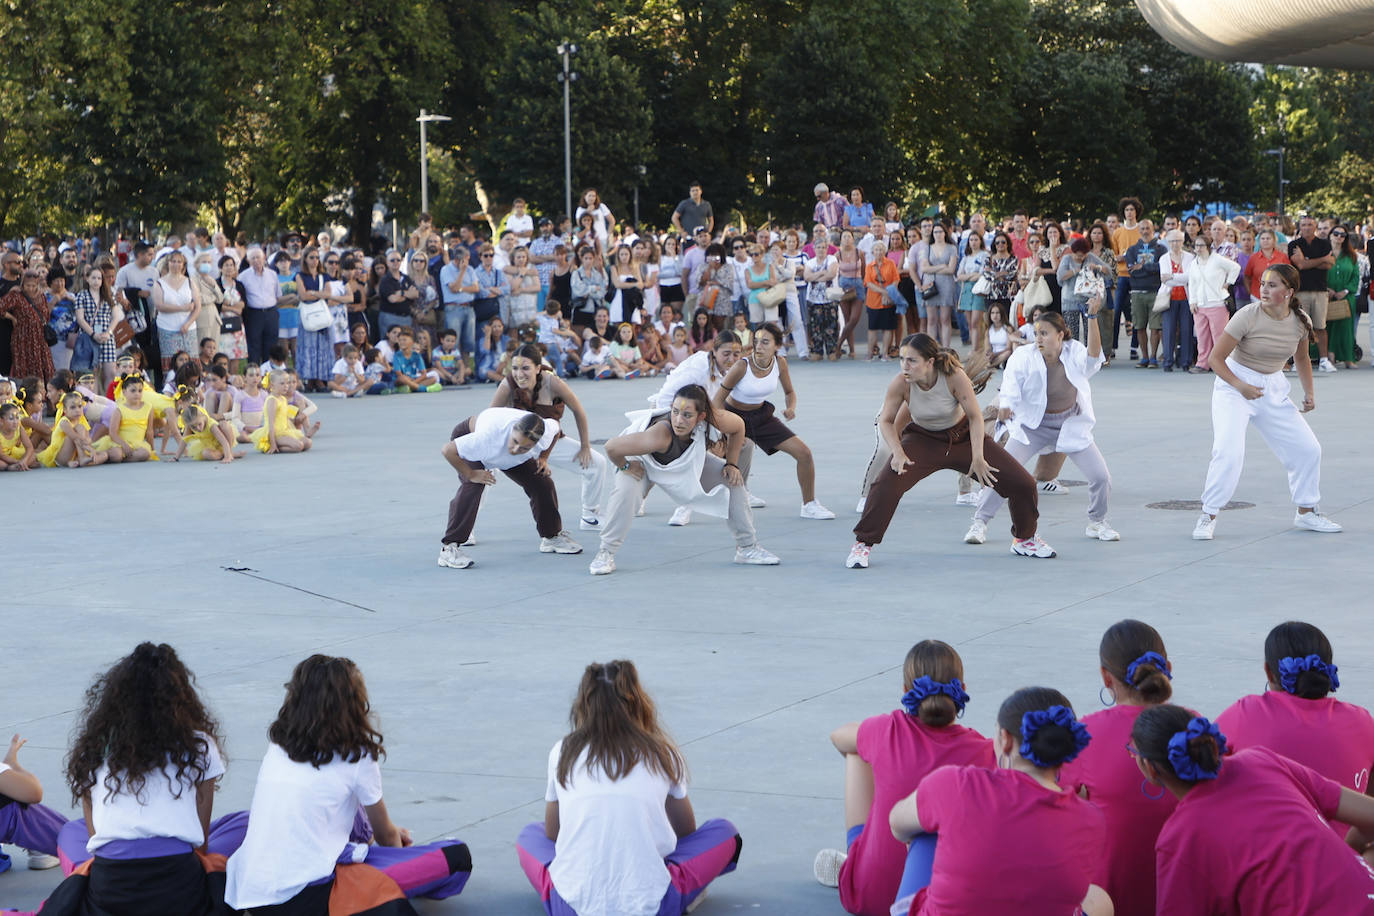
(854, 564)
(543, 549)
(1035, 556)
(774, 562)
(601, 572)
(444, 565)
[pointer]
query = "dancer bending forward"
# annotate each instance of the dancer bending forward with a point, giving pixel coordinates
(946, 432)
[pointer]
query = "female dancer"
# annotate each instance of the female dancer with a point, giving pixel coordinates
(885, 759)
(671, 451)
(1042, 842)
(528, 387)
(745, 391)
(1045, 401)
(1287, 854)
(144, 766)
(610, 843)
(946, 431)
(23, 821)
(320, 769)
(1250, 387)
(1135, 676)
(1297, 717)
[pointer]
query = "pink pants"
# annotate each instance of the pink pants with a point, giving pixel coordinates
(1208, 325)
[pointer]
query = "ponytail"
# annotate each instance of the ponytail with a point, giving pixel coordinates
(1291, 279)
(946, 360)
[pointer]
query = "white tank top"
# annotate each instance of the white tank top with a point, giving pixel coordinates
(172, 321)
(753, 389)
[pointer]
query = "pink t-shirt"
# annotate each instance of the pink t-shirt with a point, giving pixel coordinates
(1007, 845)
(902, 751)
(1334, 738)
(1249, 842)
(1113, 783)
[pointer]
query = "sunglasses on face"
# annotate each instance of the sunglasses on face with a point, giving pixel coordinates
(1338, 235)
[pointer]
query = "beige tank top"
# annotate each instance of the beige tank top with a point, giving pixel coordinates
(935, 409)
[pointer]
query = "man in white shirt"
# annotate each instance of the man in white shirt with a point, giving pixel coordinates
(517, 443)
(520, 222)
(134, 282)
(260, 317)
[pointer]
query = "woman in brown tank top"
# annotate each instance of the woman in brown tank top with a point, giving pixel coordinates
(527, 387)
(946, 432)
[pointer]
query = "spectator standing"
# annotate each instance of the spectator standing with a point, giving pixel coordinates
(519, 223)
(1142, 267)
(135, 280)
(692, 261)
(829, 210)
(1312, 256)
(694, 211)
(458, 287)
(1343, 285)
(541, 256)
(1177, 320)
(26, 310)
(858, 213)
(395, 293)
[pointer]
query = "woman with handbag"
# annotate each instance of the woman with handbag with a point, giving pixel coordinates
(1099, 237)
(339, 295)
(1082, 275)
(233, 343)
(95, 317)
(938, 264)
(589, 284)
(820, 274)
(204, 272)
(626, 294)
(1031, 275)
(1343, 285)
(314, 348)
(1051, 253)
(759, 277)
(717, 283)
(176, 303)
(969, 276)
(1209, 278)
(851, 271)
(1000, 273)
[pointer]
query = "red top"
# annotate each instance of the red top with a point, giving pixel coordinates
(1257, 265)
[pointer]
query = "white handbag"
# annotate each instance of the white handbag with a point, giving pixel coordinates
(1088, 285)
(315, 315)
(1161, 300)
(1037, 292)
(773, 295)
(982, 287)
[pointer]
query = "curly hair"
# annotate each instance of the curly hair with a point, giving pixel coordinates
(326, 714)
(140, 716)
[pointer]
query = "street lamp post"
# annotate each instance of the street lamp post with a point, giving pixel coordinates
(640, 171)
(566, 49)
(424, 118)
(1278, 152)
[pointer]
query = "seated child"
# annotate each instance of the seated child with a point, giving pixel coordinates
(625, 357)
(679, 349)
(409, 366)
(300, 407)
(278, 433)
(23, 821)
(596, 359)
(349, 375)
(380, 378)
(447, 360)
(71, 437)
(651, 350)
(16, 451)
(204, 438)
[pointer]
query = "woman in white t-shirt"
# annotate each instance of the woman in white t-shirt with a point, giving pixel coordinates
(619, 836)
(319, 770)
(144, 764)
(602, 220)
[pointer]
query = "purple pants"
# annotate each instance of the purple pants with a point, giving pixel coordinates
(32, 827)
(701, 857)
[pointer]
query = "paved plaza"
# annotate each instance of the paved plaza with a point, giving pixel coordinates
(248, 568)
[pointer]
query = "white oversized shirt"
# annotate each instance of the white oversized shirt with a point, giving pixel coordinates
(1024, 390)
(489, 441)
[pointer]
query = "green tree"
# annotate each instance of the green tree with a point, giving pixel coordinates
(1288, 112)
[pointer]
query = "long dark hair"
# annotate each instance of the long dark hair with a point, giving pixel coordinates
(615, 722)
(140, 716)
(1127, 641)
(1295, 639)
(946, 360)
(534, 354)
(698, 396)
(697, 339)
(326, 714)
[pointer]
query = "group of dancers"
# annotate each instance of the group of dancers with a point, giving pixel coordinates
(697, 438)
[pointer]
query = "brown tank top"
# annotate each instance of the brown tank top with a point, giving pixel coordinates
(521, 399)
(935, 409)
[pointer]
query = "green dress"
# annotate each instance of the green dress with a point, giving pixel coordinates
(1344, 275)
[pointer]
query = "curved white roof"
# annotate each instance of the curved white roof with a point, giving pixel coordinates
(1316, 33)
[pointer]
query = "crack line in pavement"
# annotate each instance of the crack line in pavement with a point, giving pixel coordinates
(252, 574)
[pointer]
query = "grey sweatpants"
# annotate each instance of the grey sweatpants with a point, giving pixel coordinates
(1046, 435)
(628, 492)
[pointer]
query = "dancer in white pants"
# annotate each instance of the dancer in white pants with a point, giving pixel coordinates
(1250, 387)
(528, 387)
(1046, 401)
(670, 450)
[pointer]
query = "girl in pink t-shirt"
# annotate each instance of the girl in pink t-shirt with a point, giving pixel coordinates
(885, 758)
(1136, 674)
(1243, 839)
(1297, 718)
(1010, 840)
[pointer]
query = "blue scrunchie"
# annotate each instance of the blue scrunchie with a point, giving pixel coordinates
(925, 686)
(1062, 716)
(1290, 668)
(1187, 768)
(1149, 658)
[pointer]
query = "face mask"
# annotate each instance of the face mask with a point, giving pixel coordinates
(207, 269)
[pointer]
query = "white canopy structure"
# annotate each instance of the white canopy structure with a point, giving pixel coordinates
(1313, 33)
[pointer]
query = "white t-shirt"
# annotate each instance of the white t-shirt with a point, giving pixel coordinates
(489, 441)
(520, 224)
(131, 276)
(341, 368)
(166, 808)
(612, 838)
(297, 826)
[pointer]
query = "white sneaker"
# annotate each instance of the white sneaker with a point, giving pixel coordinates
(681, 516)
(756, 502)
(39, 861)
(639, 513)
(859, 509)
(977, 532)
(1205, 528)
(815, 510)
(452, 557)
(1053, 486)
(755, 555)
(1102, 531)
(858, 556)
(604, 564)
(827, 867)
(1315, 521)
(559, 543)
(334, 394)
(590, 523)
(1325, 366)
(1032, 547)
(966, 499)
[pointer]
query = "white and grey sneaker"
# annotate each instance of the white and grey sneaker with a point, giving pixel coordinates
(756, 502)
(470, 542)
(815, 510)
(1205, 528)
(966, 499)
(1325, 366)
(681, 516)
(590, 523)
(858, 556)
(1315, 521)
(559, 543)
(604, 564)
(977, 532)
(755, 555)
(827, 867)
(451, 556)
(1101, 531)
(1053, 486)
(41, 861)
(1032, 547)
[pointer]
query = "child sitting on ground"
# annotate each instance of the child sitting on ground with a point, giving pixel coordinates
(380, 378)
(596, 359)
(16, 451)
(278, 433)
(679, 349)
(447, 360)
(651, 350)
(299, 406)
(409, 366)
(71, 437)
(349, 376)
(625, 357)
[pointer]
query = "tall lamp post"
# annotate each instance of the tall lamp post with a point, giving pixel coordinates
(424, 118)
(567, 50)
(1278, 152)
